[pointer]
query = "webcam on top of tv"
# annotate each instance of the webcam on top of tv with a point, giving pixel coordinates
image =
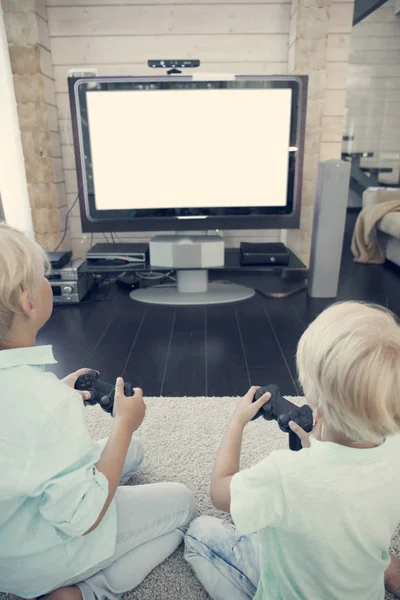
(173, 66)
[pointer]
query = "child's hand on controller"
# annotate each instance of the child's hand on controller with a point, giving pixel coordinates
(129, 409)
(247, 409)
(71, 380)
(304, 435)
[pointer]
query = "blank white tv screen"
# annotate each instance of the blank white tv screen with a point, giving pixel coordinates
(189, 148)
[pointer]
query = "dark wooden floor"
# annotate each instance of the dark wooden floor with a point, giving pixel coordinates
(203, 351)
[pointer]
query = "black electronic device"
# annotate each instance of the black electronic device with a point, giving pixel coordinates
(128, 281)
(264, 254)
(173, 64)
(282, 410)
(122, 191)
(59, 259)
(101, 392)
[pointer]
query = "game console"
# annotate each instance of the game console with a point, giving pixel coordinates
(274, 254)
(118, 254)
(69, 283)
(283, 411)
(101, 392)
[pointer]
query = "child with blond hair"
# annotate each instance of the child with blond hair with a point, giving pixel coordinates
(315, 524)
(66, 527)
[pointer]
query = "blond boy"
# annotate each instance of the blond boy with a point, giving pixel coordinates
(314, 524)
(66, 527)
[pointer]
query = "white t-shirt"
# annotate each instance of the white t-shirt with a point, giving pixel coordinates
(324, 517)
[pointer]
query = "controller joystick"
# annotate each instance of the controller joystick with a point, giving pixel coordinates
(282, 410)
(101, 392)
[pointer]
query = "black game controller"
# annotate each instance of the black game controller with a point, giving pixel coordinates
(283, 411)
(101, 393)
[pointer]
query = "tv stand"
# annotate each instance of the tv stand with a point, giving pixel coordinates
(193, 287)
(271, 281)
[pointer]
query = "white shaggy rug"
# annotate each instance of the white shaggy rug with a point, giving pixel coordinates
(181, 437)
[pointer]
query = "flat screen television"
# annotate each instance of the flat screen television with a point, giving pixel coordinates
(177, 153)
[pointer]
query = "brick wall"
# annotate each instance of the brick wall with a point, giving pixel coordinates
(319, 47)
(31, 63)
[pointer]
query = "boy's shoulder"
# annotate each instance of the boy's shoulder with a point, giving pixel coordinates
(32, 390)
(322, 457)
(287, 460)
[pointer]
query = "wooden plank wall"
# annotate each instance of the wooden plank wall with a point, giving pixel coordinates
(119, 36)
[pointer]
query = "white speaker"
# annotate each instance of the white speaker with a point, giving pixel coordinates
(187, 252)
(328, 228)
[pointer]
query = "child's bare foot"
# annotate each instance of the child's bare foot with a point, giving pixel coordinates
(67, 593)
(392, 576)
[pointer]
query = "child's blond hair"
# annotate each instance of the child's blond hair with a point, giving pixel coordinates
(348, 362)
(23, 264)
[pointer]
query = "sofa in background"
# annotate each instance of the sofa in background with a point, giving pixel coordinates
(389, 226)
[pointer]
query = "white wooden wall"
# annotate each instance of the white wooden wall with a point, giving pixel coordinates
(373, 97)
(119, 36)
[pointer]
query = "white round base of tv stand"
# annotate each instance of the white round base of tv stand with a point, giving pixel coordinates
(193, 288)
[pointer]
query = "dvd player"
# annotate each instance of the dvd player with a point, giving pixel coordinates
(70, 283)
(118, 254)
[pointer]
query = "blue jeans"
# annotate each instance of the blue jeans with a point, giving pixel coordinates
(225, 563)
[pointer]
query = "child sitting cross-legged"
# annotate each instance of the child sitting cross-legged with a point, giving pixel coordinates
(315, 524)
(67, 526)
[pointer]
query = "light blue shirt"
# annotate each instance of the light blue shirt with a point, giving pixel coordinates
(50, 490)
(324, 517)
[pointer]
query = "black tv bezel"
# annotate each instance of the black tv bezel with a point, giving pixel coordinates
(287, 217)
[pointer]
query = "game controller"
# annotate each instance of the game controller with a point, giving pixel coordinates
(101, 392)
(282, 410)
